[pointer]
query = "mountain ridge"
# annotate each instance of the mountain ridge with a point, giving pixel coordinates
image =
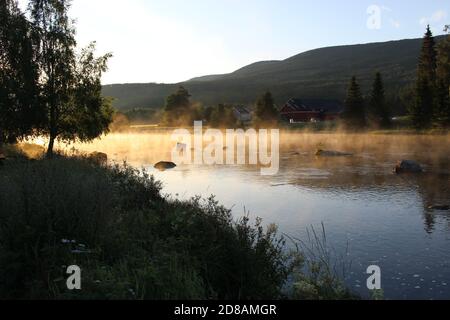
(318, 73)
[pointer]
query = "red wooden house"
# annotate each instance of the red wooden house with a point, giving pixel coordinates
(311, 110)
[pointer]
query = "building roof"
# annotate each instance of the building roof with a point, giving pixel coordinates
(242, 110)
(314, 105)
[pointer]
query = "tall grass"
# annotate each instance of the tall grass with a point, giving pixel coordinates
(324, 269)
(131, 242)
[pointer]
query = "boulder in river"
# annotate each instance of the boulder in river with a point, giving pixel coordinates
(165, 165)
(330, 153)
(440, 207)
(408, 166)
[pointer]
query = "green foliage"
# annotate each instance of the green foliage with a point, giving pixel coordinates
(321, 73)
(321, 278)
(88, 114)
(19, 110)
(378, 108)
(130, 242)
(354, 115)
(71, 87)
(142, 116)
(266, 111)
(427, 58)
(422, 111)
(222, 116)
(406, 97)
(442, 112)
(178, 111)
(378, 295)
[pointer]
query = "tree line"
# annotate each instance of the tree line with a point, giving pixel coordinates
(428, 101)
(179, 110)
(47, 87)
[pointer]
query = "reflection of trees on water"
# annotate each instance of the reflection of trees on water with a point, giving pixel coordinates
(434, 190)
(370, 170)
(372, 175)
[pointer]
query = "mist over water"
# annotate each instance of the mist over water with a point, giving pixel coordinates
(383, 218)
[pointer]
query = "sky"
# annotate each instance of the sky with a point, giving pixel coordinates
(169, 41)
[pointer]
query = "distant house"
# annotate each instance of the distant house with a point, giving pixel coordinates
(311, 110)
(242, 114)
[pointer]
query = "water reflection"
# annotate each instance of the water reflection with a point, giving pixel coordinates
(370, 176)
(385, 218)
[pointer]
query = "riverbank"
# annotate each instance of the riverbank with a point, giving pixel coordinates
(329, 127)
(133, 243)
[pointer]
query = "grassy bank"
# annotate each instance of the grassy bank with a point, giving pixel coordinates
(131, 242)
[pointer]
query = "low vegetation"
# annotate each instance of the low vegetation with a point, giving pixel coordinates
(129, 240)
(323, 269)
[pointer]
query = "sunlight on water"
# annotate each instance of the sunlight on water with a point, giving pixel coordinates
(383, 217)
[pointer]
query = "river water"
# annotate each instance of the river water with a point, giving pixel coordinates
(371, 216)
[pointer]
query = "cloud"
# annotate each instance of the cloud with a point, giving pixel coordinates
(436, 17)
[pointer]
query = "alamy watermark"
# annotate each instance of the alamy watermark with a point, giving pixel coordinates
(374, 281)
(230, 147)
(377, 15)
(374, 20)
(74, 280)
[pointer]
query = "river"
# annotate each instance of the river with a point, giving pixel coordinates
(371, 216)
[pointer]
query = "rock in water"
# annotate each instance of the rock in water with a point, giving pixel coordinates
(440, 208)
(2, 158)
(165, 165)
(99, 158)
(408, 166)
(328, 153)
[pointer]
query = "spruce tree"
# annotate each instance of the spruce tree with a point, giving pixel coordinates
(422, 110)
(442, 111)
(427, 60)
(378, 109)
(266, 111)
(354, 114)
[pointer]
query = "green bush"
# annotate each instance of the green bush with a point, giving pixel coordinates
(130, 242)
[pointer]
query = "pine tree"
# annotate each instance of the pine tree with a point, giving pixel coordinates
(427, 60)
(354, 114)
(266, 111)
(379, 112)
(422, 110)
(442, 112)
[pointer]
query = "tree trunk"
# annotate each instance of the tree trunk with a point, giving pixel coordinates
(51, 144)
(52, 130)
(1, 142)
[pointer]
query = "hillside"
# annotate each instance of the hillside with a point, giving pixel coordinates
(317, 73)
